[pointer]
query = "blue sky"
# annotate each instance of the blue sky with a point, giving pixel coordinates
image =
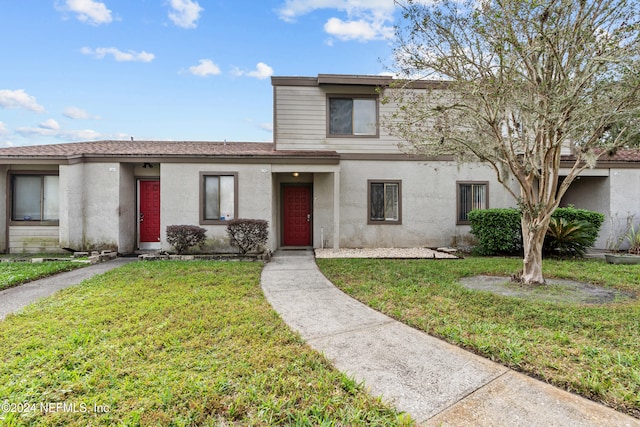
(81, 70)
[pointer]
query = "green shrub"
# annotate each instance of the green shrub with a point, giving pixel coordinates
(182, 237)
(248, 234)
(568, 238)
(595, 219)
(498, 231)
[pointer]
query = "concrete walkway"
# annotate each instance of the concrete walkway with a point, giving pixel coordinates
(14, 299)
(436, 383)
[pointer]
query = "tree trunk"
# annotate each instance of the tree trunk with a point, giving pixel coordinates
(532, 242)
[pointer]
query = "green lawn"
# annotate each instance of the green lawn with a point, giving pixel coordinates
(15, 273)
(171, 343)
(590, 350)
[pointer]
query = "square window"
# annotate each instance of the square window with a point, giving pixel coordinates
(350, 116)
(35, 198)
(218, 197)
(385, 205)
(471, 195)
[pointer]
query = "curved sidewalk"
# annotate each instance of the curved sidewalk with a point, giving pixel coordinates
(14, 299)
(435, 382)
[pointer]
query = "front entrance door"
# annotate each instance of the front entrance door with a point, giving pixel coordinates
(149, 214)
(296, 215)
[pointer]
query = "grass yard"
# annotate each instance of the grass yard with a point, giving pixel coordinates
(170, 343)
(592, 350)
(15, 273)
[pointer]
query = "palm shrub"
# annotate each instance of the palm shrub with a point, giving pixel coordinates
(248, 234)
(568, 238)
(182, 237)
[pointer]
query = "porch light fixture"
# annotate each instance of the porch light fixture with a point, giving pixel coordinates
(296, 174)
(147, 165)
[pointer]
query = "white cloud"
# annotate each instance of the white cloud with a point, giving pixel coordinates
(118, 55)
(3, 130)
(12, 99)
(357, 30)
(295, 8)
(205, 68)
(89, 11)
(66, 135)
(49, 125)
(185, 13)
(77, 113)
(262, 71)
(366, 19)
(266, 126)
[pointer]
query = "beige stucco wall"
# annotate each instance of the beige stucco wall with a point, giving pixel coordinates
(180, 193)
(592, 193)
(323, 210)
(90, 206)
(428, 202)
(625, 200)
(127, 209)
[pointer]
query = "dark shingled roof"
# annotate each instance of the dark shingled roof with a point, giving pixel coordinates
(156, 149)
(623, 155)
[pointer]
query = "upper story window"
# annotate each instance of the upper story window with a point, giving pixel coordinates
(35, 198)
(352, 116)
(385, 202)
(218, 197)
(471, 195)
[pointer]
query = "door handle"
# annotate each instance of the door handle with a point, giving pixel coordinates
(308, 217)
(141, 217)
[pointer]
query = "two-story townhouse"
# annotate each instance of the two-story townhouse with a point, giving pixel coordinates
(333, 177)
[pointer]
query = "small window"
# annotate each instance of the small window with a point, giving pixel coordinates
(353, 116)
(385, 205)
(35, 198)
(471, 195)
(218, 197)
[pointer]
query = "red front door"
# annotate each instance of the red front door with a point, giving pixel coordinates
(296, 215)
(149, 214)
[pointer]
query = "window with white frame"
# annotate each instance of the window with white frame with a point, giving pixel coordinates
(471, 195)
(385, 202)
(35, 198)
(218, 193)
(352, 116)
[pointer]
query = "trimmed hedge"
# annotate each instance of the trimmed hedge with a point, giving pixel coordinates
(499, 231)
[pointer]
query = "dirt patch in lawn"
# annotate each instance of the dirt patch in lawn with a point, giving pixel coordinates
(556, 290)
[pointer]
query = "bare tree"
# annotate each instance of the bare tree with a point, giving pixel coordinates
(523, 81)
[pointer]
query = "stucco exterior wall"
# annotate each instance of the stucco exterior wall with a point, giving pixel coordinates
(127, 209)
(428, 202)
(72, 206)
(592, 193)
(180, 198)
(625, 200)
(323, 210)
(90, 206)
